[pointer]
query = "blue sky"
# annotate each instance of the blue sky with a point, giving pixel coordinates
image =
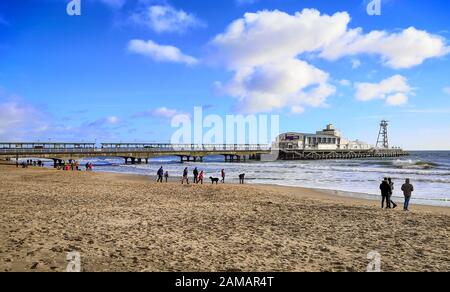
(122, 69)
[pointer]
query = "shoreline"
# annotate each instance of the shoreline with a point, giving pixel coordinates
(125, 222)
(329, 192)
(334, 193)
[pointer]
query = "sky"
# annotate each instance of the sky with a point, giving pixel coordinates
(121, 70)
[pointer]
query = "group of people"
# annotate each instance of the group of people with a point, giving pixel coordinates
(387, 190)
(89, 166)
(74, 166)
(29, 162)
(199, 176)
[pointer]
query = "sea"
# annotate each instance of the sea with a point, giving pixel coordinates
(429, 172)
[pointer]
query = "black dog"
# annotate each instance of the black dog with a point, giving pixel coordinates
(214, 180)
(242, 178)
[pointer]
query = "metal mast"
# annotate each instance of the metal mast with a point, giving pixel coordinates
(383, 140)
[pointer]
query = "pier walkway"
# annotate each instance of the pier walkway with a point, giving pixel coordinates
(134, 153)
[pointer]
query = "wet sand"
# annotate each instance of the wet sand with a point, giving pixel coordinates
(129, 223)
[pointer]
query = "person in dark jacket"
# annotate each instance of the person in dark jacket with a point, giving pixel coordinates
(166, 176)
(195, 173)
(185, 176)
(407, 189)
(391, 184)
(385, 190)
(160, 175)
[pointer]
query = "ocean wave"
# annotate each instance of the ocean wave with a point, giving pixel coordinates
(414, 164)
(404, 164)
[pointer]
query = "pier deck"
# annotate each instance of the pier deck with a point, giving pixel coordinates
(315, 154)
(133, 153)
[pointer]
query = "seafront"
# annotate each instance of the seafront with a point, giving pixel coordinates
(128, 223)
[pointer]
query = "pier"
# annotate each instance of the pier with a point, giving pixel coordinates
(132, 153)
(316, 154)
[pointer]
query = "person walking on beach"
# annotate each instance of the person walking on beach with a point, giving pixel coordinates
(160, 174)
(195, 173)
(385, 190)
(185, 176)
(391, 185)
(166, 176)
(407, 189)
(201, 176)
(222, 173)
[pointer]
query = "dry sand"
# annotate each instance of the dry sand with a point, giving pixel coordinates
(128, 223)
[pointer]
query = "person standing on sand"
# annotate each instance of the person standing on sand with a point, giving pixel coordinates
(201, 176)
(160, 174)
(185, 176)
(407, 189)
(242, 178)
(385, 189)
(222, 172)
(166, 176)
(391, 184)
(195, 173)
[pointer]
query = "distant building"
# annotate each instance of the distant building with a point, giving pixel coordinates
(327, 139)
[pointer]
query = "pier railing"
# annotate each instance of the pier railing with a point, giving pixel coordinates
(117, 148)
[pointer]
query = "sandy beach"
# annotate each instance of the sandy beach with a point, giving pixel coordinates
(130, 223)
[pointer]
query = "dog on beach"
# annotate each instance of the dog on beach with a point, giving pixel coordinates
(214, 180)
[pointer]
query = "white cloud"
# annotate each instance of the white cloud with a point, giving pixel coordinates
(262, 37)
(263, 50)
(165, 18)
(394, 90)
(345, 82)
(397, 99)
(162, 113)
(290, 83)
(160, 53)
(113, 120)
(447, 90)
(406, 49)
(108, 121)
(19, 120)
